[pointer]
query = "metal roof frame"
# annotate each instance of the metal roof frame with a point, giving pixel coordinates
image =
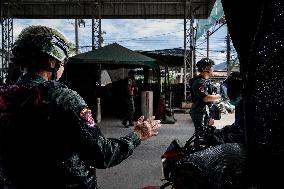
(109, 9)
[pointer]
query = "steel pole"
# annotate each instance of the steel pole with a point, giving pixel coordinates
(76, 37)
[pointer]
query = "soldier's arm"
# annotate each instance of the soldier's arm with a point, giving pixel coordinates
(212, 98)
(200, 90)
(93, 147)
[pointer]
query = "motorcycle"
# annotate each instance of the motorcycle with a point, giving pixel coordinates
(200, 165)
(174, 153)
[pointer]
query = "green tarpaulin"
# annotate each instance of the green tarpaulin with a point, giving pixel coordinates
(205, 24)
(115, 55)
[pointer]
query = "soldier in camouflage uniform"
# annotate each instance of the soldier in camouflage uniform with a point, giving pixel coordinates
(202, 96)
(129, 99)
(48, 137)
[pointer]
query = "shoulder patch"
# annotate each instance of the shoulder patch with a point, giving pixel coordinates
(202, 88)
(86, 114)
(68, 99)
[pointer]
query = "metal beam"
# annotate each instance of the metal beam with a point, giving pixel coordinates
(110, 9)
(96, 44)
(189, 41)
(7, 41)
(96, 27)
(97, 37)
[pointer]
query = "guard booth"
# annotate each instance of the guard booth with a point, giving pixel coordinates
(98, 76)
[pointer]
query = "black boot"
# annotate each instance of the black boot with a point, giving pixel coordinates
(131, 124)
(124, 123)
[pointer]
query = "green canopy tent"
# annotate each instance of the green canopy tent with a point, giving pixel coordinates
(83, 72)
(115, 55)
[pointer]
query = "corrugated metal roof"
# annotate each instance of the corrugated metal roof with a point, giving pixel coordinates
(111, 9)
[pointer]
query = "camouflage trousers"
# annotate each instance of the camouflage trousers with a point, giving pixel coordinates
(200, 120)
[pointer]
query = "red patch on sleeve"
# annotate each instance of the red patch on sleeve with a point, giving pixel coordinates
(201, 89)
(86, 115)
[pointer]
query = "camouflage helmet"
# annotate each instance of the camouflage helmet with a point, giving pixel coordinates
(203, 63)
(40, 39)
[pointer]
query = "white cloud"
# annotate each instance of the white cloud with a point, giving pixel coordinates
(17, 30)
(60, 24)
(126, 30)
(150, 28)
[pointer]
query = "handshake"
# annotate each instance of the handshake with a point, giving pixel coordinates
(146, 128)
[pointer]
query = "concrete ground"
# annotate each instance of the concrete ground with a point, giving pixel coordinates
(143, 167)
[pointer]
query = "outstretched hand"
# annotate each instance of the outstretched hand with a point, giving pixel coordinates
(218, 98)
(146, 128)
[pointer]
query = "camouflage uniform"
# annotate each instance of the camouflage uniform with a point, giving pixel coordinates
(48, 137)
(51, 139)
(200, 111)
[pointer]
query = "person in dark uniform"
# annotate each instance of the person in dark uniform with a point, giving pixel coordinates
(48, 136)
(202, 96)
(129, 99)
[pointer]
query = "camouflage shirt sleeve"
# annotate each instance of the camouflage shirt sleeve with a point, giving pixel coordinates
(92, 146)
(200, 89)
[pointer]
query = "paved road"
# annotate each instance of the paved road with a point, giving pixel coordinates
(143, 167)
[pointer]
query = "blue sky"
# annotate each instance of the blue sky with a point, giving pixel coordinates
(135, 34)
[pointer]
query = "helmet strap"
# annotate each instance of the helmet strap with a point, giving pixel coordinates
(54, 69)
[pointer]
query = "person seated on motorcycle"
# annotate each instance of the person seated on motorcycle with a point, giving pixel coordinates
(231, 133)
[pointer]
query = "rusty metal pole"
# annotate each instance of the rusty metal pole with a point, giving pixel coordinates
(185, 56)
(96, 44)
(76, 37)
(207, 38)
(228, 53)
